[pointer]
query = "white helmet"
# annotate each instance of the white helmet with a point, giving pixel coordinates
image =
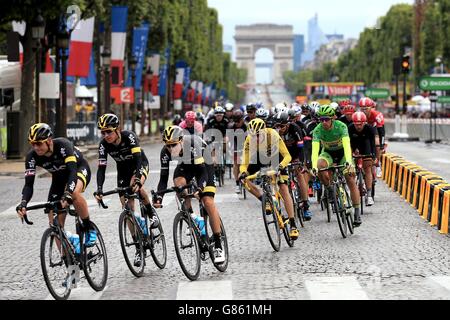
(334, 105)
(262, 113)
(314, 105)
(229, 107)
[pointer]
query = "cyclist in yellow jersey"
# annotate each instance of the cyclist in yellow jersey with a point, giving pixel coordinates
(333, 136)
(264, 147)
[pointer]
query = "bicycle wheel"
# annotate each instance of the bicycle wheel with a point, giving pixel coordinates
(374, 183)
(325, 203)
(361, 186)
(286, 229)
(271, 223)
(347, 203)
(54, 264)
(95, 264)
(186, 246)
(298, 211)
(223, 240)
(158, 248)
(132, 243)
(340, 212)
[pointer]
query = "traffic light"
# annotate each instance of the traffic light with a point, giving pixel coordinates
(406, 65)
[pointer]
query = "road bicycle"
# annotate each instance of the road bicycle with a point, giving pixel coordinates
(136, 235)
(191, 244)
(275, 219)
(360, 178)
(294, 190)
(62, 260)
(340, 200)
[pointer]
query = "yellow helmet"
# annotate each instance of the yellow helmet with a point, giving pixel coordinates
(255, 126)
(108, 120)
(39, 132)
(172, 134)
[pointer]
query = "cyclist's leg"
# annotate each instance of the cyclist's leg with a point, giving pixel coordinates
(325, 160)
(367, 166)
(79, 202)
(55, 193)
(251, 187)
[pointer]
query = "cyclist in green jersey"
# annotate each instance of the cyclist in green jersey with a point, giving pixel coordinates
(335, 140)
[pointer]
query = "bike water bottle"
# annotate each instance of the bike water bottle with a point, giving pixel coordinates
(200, 221)
(74, 240)
(141, 223)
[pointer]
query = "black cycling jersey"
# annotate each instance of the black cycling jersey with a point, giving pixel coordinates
(222, 126)
(364, 141)
(191, 163)
(344, 119)
(294, 141)
(128, 155)
(309, 128)
(64, 164)
(306, 119)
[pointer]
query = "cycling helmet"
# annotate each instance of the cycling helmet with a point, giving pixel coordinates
(282, 118)
(190, 116)
(293, 114)
(348, 109)
(199, 115)
(229, 107)
(219, 110)
(345, 103)
(334, 105)
(306, 107)
(255, 126)
(172, 134)
(251, 106)
(326, 111)
(314, 105)
(108, 120)
(238, 115)
(177, 120)
(39, 132)
(359, 117)
(262, 114)
(366, 103)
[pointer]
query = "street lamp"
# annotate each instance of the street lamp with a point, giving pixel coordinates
(133, 65)
(62, 43)
(38, 34)
(106, 59)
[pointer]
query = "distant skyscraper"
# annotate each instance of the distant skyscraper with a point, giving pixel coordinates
(335, 36)
(316, 38)
(299, 48)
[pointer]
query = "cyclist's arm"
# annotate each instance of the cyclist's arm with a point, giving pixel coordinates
(246, 156)
(287, 158)
(71, 164)
(102, 163)
(137, 154)
(164, 173)
(381, 134)
(373, 149)
(315, 154)
(30, 174)
(347, 150)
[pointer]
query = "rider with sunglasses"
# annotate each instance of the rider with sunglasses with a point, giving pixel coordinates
(293, 136)
(132, 164)
(333, 136)
(189, 151)
(70, 175)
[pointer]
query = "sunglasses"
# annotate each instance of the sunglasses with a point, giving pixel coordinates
(172, 145)
(38, 143)
(325, 119)
(107, 132)
(281, 126)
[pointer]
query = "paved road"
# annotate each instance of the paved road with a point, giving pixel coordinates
(394, 255)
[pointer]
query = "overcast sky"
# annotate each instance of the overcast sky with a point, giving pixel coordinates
(348, 17)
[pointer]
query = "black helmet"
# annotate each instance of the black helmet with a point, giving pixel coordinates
(292, 114)
(177, 120)
(108, 120)
(251, 106)
(281, 118)
(238, 115)
(39, 132)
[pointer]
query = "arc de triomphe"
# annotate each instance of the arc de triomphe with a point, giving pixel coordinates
(277, 38)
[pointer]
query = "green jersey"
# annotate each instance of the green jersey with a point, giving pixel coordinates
(331, 139)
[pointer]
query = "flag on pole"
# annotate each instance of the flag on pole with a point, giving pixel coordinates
(164, 73)
(19, 27)
(140, 37)
(153, 64)
(180, 67)
(81, 48)
(119, 18)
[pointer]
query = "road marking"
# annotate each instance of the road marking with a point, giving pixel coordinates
(444, 281)
(335, 288)
(205, 290)
(82, 293)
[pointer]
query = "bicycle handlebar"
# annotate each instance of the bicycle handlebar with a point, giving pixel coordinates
(174, 189)
(332, 168)
(109, 193)
(259, 174)
(47, 205)
(362, 156)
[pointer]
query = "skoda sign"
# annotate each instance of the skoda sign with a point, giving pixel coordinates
(434, 83)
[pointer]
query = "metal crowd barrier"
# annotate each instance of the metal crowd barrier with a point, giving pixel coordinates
(424, 190)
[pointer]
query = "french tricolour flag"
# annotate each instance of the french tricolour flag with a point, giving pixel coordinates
(119, 17)
(81, 48)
